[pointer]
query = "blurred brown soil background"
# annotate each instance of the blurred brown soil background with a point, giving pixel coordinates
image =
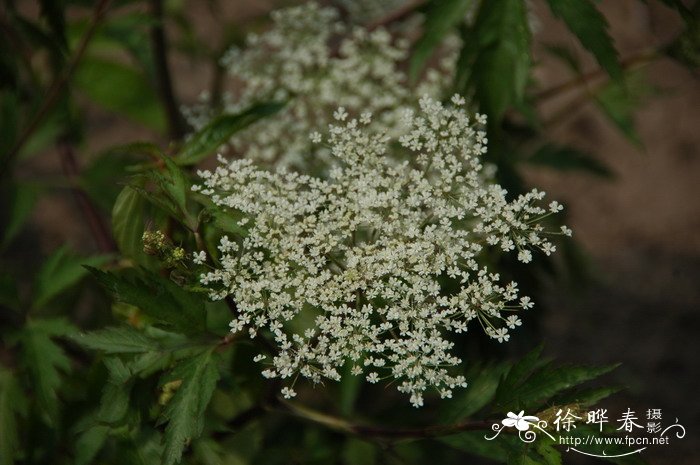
(641, 230)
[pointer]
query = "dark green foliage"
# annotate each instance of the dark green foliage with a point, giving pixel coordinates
(220, 130)
(590, 27)
(147, 372)
(494, 64)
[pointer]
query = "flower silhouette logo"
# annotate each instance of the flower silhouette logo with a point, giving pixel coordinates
(520, 421)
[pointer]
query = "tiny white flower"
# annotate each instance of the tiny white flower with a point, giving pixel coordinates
(525, 256)
(315, 137)
(199, 257)
(458, 100)
(288, 392)
(555, 207)
(340, 114)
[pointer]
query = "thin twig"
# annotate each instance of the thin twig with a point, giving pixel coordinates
(584, 79)
(177, 127)
(57, 86)
(395, 15)
(100, 231)
(346, 427)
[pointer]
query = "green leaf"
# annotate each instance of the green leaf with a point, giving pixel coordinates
(89, 444)
(128, 223)
(61, 271)
(12, 404)
(585, 397)
(219, 131)
(357, 452)
(620, 100)
(440, 17)
(550, 456)
(115, 396)
(185, 411)
(529, 383)
(564, 158)
(516, 375)
(590, 27)
(484, 381)
(686, 47)
(122, 89)
(21, 201)
(495, 60)
(117, 340)
(159, 298)
(174, 184)
(45, 360)
(566, 56)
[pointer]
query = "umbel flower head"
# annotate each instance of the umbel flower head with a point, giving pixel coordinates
(379, 263)
(317, 62)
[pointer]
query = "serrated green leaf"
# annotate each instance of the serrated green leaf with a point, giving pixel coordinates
(20, 203)
(495, 59)
(159, 298)
(620, 100)
(484, 381)
(565, 158)
(128, 223)
(117, 340)
(540, 384)
(516, 375)
(120, 88)
(591, 28)
(441, 16)
(89, 444)
(61, 271)
(217, 133)
(45, 360)
(549, 455)
(174, 184)
(12, 404)
(566, 56)
(185, 411)
(585, 397)
(115, 396)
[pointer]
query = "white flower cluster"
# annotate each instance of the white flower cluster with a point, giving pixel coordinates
(378, 263)
(315, 62)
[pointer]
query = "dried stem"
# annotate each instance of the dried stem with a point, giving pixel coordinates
(99, 229)
(177, 127)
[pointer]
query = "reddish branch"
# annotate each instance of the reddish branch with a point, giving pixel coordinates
(177, 127)
(379, 432)
(58, 85)
(100, 231)
(396, 15)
